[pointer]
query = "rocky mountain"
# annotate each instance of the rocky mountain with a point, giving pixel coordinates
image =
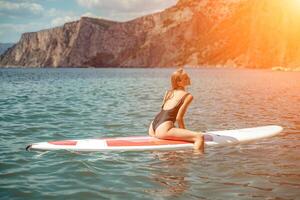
(234, 33)
(5, 46)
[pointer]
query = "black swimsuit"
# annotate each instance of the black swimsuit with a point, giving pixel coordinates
(167, 115)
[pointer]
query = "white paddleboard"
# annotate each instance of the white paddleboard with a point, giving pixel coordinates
(142, 143)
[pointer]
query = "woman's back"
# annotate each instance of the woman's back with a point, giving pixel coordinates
(172, 99)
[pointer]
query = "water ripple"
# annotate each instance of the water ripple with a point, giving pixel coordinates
(56, 104)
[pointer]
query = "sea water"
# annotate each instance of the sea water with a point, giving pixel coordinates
(57, 104)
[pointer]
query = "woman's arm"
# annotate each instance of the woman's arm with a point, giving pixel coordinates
(183, 110)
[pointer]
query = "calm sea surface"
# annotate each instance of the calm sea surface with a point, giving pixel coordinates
(56, 104)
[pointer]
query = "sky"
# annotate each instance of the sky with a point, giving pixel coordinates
(20, 16)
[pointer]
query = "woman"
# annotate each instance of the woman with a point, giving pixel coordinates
(174, 106)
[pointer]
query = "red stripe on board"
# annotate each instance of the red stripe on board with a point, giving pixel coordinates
(127, 138)
(121, 143)
(64, 142)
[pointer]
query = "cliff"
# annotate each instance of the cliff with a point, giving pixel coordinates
(5, 46)
(234, 33)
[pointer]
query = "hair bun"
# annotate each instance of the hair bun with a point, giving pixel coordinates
(179, 70)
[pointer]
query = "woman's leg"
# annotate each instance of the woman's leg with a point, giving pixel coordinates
(185, 135)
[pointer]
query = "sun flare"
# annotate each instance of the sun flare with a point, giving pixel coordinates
(296, 2)
(293, 6)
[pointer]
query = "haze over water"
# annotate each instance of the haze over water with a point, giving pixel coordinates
(56, 104)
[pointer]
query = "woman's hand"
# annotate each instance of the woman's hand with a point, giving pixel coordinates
(180, 123)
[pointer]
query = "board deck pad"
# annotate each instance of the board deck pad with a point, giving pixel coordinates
(142, 143)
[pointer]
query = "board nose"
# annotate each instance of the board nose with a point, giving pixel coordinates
(28, 147)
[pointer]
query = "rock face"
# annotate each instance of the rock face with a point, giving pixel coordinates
(234, 33)
(5, 46)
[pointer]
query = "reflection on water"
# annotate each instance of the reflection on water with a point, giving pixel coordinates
(56, 104)
(169, 174)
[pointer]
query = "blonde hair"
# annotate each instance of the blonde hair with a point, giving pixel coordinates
(175, 77)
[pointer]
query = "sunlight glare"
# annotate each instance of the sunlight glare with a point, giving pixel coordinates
(294, 6)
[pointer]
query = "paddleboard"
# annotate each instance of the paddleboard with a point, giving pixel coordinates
(143, 143)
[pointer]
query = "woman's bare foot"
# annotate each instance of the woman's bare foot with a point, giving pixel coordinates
(199, 143)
